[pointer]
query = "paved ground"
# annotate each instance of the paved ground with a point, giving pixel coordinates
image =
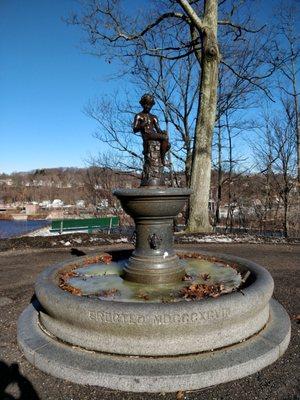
(18, 270)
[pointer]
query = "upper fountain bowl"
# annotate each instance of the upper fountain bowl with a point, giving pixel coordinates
(153, 202)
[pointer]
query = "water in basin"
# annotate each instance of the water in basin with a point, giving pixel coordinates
(104, 281)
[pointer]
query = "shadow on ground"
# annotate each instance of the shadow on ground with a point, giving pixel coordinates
(10, 375)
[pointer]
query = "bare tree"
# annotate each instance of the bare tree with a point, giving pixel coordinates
(236, 96)
(96, 184)
(190, 29)
(114, 128)
(275, 154)
(288, 42)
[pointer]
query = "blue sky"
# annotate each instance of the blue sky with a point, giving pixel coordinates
(45, 81)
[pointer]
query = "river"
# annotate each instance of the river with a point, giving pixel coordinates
(18, 228)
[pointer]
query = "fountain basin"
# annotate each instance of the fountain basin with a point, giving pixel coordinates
(154, 347)
(155, 329)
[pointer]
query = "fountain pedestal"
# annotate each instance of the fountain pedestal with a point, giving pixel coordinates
(153, 210)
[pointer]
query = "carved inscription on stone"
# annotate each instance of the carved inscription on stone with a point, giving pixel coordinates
(162, 319)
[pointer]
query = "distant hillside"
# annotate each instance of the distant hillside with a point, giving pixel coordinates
(68, 184)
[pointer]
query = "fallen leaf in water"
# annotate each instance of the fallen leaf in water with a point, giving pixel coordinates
(180, 395)
(142, 295)
(70, 289)
(205, 277)
(108, 293)
(106, 258)
(197, 291)
(103, 257)
(187, 277)
(170, 299)
(192, 292)
(64, 276)
(63, 281)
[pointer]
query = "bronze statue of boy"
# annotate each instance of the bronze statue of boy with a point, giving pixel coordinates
(155, 142)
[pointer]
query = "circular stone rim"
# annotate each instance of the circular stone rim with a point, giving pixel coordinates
(153, 192)
(167, 374)
(86, 322)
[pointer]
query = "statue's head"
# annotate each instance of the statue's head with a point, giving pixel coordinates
(147, 101)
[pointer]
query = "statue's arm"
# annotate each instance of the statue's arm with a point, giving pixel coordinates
(137, 123)
(163, 135)
(156, 124)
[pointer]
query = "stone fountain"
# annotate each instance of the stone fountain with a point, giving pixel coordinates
(154, 319)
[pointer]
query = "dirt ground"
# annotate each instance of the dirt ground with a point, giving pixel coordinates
(19, 380)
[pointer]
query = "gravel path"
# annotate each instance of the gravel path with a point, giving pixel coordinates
(19, 269)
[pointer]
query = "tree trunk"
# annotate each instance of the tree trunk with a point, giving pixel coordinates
(188, 168)
(295, 95)
(201, 168)
(285, 215)
(230, 181)
(220, 176)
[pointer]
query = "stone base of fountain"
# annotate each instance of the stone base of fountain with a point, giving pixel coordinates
(157, 374)
(155, 346)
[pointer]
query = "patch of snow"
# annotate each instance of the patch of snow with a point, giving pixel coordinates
(121, 240)
(208, 239)
(94, 240)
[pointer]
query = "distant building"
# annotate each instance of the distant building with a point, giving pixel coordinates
(80, 204)
(45, 204)
(31, 209)
(57, 203)
(7, 182)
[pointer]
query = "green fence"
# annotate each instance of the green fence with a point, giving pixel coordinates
(88, 224)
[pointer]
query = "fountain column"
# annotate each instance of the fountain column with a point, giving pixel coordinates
(153, 210)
